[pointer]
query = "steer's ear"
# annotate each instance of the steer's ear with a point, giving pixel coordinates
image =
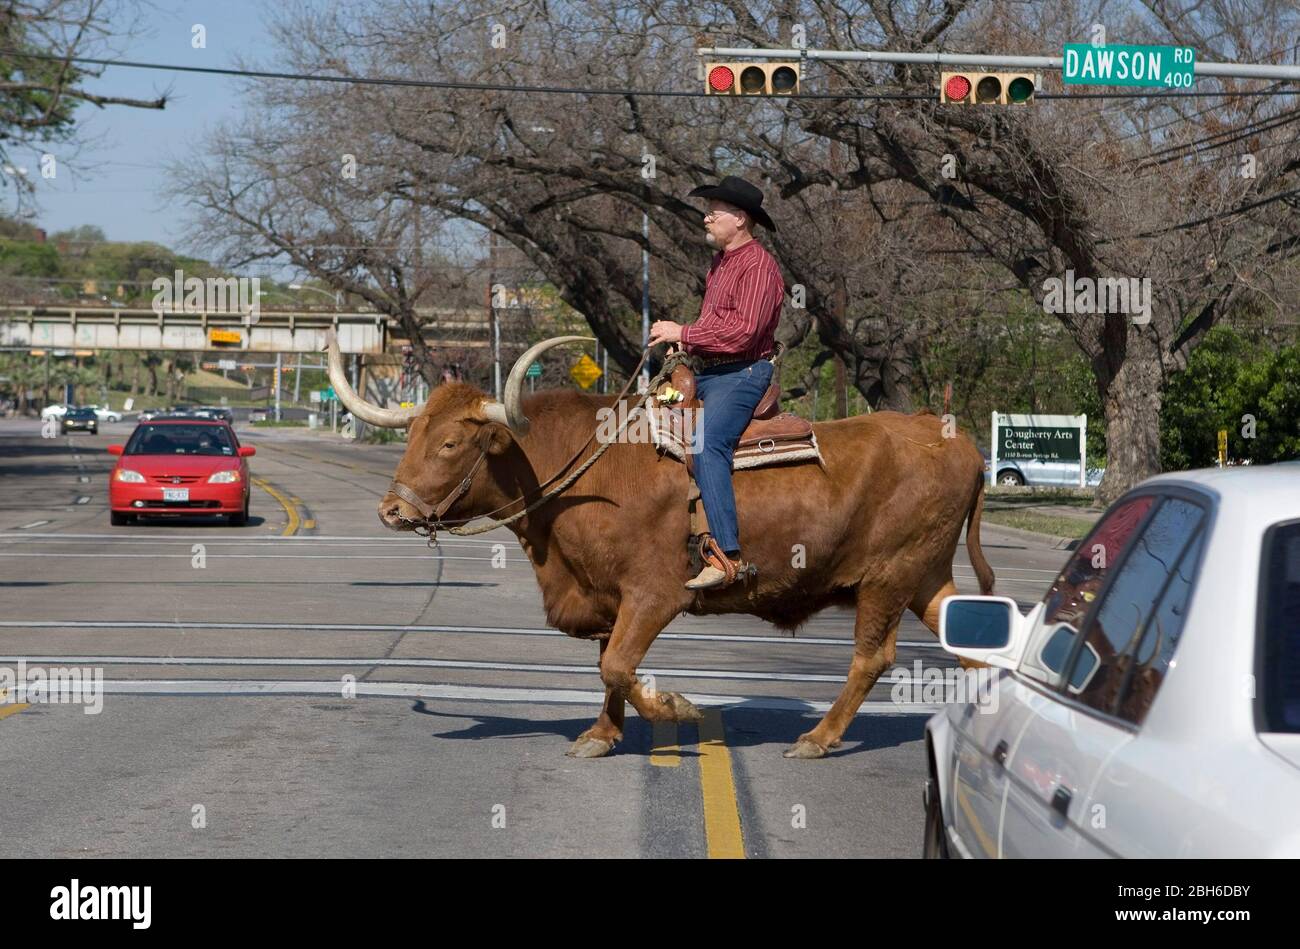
(494, 438)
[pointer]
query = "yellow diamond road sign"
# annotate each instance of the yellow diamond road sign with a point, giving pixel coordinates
(585, 371)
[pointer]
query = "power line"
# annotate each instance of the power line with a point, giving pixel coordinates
(588, 90)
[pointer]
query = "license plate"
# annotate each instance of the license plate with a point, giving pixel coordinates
(176, 494)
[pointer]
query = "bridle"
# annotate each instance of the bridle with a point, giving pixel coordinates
(433, 514)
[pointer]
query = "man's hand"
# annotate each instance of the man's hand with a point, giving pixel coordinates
(665, 331)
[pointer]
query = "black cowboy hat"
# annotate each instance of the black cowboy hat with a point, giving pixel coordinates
(739, 193)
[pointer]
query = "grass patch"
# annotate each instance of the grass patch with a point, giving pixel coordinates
(383, 436)
(283, 423)
(1054, 524)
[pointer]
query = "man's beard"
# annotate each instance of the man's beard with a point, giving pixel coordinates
(710, 239)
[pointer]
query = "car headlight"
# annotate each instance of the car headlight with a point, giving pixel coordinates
(126, 474)
(224, 477)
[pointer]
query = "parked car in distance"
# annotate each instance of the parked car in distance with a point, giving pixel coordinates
(105, 414)
(147, 415)
(180, 466)
(79, 418)
(257, 415)
(1149, 704)
(1059, 474)
(215, 411)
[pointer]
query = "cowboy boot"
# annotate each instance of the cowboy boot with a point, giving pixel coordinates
(719, 569)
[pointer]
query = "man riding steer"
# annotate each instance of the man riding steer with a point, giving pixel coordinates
(874, 528)
(733, 340)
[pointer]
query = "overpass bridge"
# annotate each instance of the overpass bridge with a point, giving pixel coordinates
(360, 332)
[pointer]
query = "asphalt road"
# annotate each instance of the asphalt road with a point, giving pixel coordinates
(315, 685)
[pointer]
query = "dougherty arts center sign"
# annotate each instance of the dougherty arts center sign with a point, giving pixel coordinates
(1051, 439)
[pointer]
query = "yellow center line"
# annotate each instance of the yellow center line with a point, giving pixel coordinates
(8, 710)
(664, 750)
(722, 831)
(292, 526)
(11, 709)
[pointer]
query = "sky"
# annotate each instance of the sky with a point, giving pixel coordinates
(117, 182)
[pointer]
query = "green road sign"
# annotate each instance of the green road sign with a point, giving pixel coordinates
(534, 370)
(1088, 65)
(328, 394)
(1037, 442)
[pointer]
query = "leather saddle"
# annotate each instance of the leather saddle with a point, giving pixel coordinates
(772, 436)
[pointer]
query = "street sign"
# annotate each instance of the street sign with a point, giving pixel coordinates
(316, 395)
(1088, 65)
(224, 336)
(226, 364)
(585, 371)
(534, 371)
(328, 394)
(1045, 438)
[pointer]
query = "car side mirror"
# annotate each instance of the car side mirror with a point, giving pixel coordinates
(247, 451)
(116, 449)
(987, 629)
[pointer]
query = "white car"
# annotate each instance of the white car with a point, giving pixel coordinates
(105, 414)
(1149, 705)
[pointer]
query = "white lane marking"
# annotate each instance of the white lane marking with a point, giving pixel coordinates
(413, 663)
(183, 556)
(33, 524)
(1001, 577)
(84, 499)
(396, 539)
(262, 687)
(469, 630)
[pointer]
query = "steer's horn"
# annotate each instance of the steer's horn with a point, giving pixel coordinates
(515, 417)
(366, 411)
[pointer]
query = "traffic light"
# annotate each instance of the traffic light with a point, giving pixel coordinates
(751, 79)
(987, 88)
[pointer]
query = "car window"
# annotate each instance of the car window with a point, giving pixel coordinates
(1076, 587)
(1145, 669)
(1279, 667)
(180, 440)
(1139, 613)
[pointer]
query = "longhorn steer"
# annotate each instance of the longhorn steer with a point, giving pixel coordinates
(876, 529)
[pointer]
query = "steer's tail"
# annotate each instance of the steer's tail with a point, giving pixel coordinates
(982, 569)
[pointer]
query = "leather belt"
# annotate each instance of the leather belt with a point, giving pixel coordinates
(708, 362)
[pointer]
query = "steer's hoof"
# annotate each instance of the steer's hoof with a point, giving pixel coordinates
(588, 747)
(804, 748)
(683, 709)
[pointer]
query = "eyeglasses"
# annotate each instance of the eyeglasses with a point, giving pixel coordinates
(710, 215)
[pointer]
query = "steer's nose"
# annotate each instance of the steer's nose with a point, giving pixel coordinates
(390, 512)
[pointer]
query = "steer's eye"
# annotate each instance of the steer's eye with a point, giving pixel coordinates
(448, 444)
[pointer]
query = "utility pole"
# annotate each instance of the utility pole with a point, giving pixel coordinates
(645, 295)
(277, 387)
(840, 297)
(493, 320)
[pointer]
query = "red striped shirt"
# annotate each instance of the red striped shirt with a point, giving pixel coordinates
(743, 293)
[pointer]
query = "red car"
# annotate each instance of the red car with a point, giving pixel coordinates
(182, 466)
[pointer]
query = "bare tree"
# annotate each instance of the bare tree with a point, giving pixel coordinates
(41, 81)
(871, 191)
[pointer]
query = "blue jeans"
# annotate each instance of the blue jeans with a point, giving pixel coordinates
(728, 394)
